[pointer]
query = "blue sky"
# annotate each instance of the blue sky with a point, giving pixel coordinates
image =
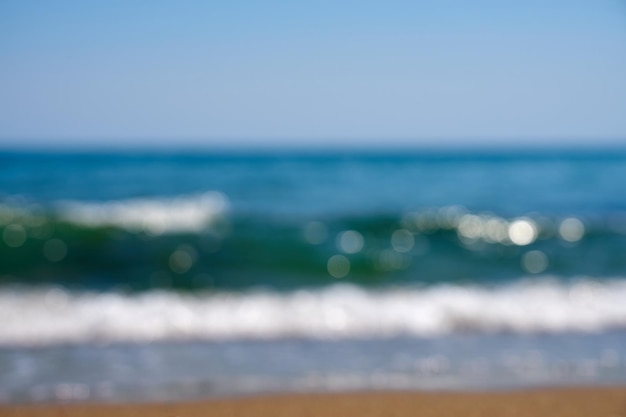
(330, 72)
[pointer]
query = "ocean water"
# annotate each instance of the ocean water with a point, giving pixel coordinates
(135, 276)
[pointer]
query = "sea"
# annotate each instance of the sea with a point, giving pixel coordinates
(168, 275)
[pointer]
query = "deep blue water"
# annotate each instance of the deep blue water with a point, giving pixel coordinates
(506, 182)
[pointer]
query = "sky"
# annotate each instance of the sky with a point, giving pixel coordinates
(256, 73)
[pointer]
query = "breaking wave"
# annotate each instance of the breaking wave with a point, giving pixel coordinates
(33, 317)
(154, 216)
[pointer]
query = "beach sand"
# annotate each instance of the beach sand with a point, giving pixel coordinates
(566, 402)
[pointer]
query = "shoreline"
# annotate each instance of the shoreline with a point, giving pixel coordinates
(561, 401)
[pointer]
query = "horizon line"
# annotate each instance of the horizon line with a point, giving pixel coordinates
(339, 142)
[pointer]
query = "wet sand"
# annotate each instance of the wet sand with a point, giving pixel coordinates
(561, 402)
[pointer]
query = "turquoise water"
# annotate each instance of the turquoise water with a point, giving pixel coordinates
(274, 220)
(459, 268)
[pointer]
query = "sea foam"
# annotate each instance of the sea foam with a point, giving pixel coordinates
(50, 316)
(154, 216)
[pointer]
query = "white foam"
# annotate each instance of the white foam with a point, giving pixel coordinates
(154, 216)
(35, 317)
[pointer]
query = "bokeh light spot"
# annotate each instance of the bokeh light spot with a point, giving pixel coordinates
(402, 240)
(350, 241)
(338, 266)
(182, 259)
(535, 261)
(571, 229)
(496, 230)
(14, 235)
(523, 232)
(470, 227)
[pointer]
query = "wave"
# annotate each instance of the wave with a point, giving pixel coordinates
(153, 216)
(34, 317)
(197, 242)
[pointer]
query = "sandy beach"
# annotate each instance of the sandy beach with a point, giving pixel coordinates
(562, 402)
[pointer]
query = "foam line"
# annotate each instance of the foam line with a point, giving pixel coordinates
(49, 316)
(155, 216)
